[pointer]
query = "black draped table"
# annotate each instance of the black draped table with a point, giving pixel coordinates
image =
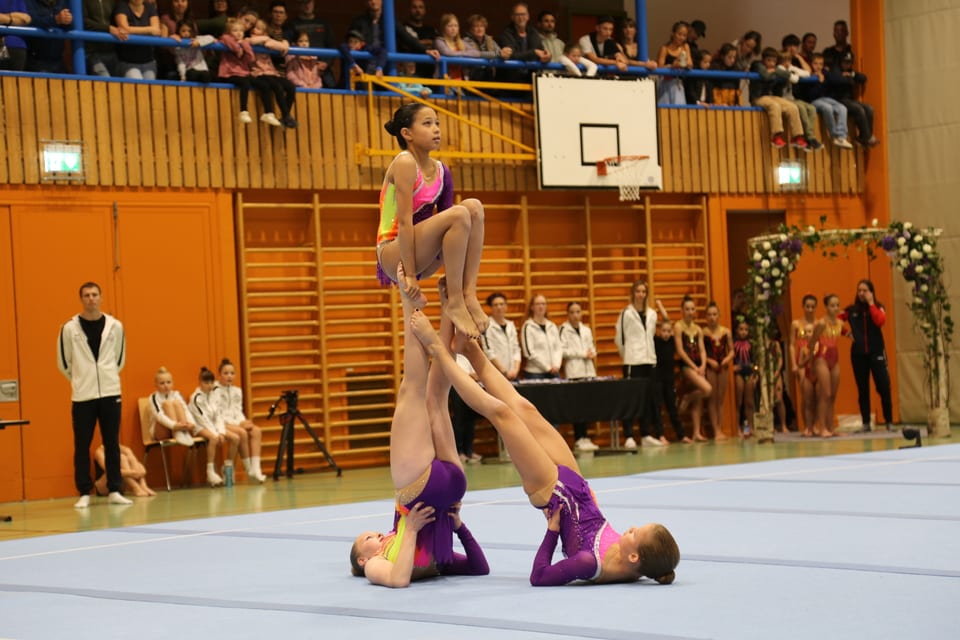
(3, 425)
(590, 400)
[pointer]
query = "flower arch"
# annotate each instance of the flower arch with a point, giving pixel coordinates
(913, 252)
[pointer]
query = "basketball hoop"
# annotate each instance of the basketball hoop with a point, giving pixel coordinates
(629, 172)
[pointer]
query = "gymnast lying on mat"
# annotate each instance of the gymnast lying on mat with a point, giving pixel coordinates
(427, 477)
(550, 475)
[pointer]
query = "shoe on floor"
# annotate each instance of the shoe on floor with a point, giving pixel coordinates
(474, 458)
(82, 503)
(183, 437)
(271, 120)
(257, 474)
(629, 443)
(245, 117)
(463, 458)
(116, 497)
(650, 441)
(214, 479)
(585, 444)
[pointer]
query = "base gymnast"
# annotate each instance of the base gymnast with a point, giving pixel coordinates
(427, 477)
(593, 550)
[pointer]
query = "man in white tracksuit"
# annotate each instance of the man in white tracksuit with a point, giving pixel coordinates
(91, 353)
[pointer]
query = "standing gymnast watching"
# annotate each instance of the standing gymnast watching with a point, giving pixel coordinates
(420, 226)
(593, 550)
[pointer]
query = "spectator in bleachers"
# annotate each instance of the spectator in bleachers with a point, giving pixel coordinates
(676, 55)
(409, 70)
(370, 26)
(600, 47)
(748, 52)
(833, 55)
(167, 57)
(477, 37)
(808, 113)
(426, 34)
(540, 341)
(191, 63)
(278, 29)
(270, 80)
(630, 48)
(808, 46)
(216, 24)
(791, 44)
(833, 112)
(450, 44)
(697, 30)
(374, 66)
(101, 56)
(524, 42)
(842, 85)
(136, 17)
(235, 64)
(13, 13)
(579, 361)
(46, 54)
(304, 71)
(766, 93)
(321, 37)
(700, 90)
(573, 57)
(500, 341)
(547, 28)
(726, 91)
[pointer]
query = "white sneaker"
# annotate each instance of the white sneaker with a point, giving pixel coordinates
(213, 478)
(650, 441)
(271, 120)
(116, 497)
(843, 143)
(182, 437)
(257, 474)
(82, 503)
(585, 444)
(245, 117)
(630, 443)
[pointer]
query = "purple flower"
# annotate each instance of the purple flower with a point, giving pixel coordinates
(910, 273)
(888, 243)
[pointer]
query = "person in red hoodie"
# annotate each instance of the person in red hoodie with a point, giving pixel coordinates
(868, 355)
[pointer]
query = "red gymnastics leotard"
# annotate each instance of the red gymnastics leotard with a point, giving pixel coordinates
(691, 346)
(827, 347)
(717, 347)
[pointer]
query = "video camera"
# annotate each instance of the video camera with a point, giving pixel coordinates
(291, 397)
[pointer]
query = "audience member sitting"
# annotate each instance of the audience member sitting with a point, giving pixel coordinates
(676, 55)
(833, 55)
(600, 48)
(167, 56)
(808, 113)
(477, 37)
(278, 29)
(46, 54)
(700, 90)
(304, 71)
(13, 13)
(425, 34)
(133, 472)
(630, 48)
(524, 43)
(450, 44)
(370, 27)
(748, 52)
(833, 112)
(216, 24)
(808, 46)
(235, 64)
(136, 17)
(697, 30)
(842, 84)
(726, 91)
(321, 37)
(270, 81)
(409, 70)
(547, 28)
(572, 57)
(355, 42)
(765, 93)
(205, 409)
(191, 63)
(101, 56)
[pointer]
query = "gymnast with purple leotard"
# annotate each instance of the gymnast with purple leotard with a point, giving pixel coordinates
(427, 477)
(594, 551)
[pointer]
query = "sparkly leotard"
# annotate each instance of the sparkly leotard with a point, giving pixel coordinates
(827, 347)
(743, 358)
(803, 343)
(717, 346)
(428, 198)
(691, 346)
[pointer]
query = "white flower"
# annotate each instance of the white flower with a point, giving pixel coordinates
(758, 279)
(919, 268)
(904, 250)
(766, 245)
(765, 264)
(766, 285)
(874, 222)
(778, 283)
(772, 253)
(917, 239)
(927, 248)
(810, 229)
(904, 262)
(775, 272)
(791, 267)
(757, 256)
(901, 241)
(783, 237)
(908, 225)
(924, 288)
(917, 300)
(784, 261)
(915, 255)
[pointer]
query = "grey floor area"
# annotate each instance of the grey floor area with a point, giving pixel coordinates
(855, 546)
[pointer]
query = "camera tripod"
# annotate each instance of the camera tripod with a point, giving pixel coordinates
(288, 419)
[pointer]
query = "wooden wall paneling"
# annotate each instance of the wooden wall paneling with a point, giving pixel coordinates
(161, 153)
(213, 117)
(744, 154)
(146, 135)
(117, 137)
(355, 122)
(95, 107)
(703, 152)
(186, 138)
(310, 144)
(227, 138)
(751, 142)
(56, 110)
(666, 150)
(28, 134)
(204, 140)
(266, 167)
(321, 155)
(250, 164)
(132, 135)
(4, 132)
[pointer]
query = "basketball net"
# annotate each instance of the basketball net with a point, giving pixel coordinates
(628, 169)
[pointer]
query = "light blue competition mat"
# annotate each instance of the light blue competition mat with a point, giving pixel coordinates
(856, 546)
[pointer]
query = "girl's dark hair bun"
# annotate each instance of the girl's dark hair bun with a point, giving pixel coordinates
(391, 128)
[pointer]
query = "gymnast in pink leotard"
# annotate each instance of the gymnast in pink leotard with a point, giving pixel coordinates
(420, 226)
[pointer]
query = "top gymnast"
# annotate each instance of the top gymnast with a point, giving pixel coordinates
(420, 226)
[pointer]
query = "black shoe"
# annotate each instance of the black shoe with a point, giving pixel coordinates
(289, 122)
(865, 429)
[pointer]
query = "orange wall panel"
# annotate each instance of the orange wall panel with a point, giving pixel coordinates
(11, 470)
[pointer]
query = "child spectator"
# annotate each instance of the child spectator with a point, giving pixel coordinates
(269, 80)
(487, 47)
(229, 400)
(304, 71)
(409, 70)
(833, 112)
(355, 42)
(700, 90)
(745, 377)
(664, 380)
(235, 64)
(765, 93)
(676, 54)
(206, 412)
(808, 113)
(573, 56)
(726, 91)
(139, 18)
(450, 44)
(191, 63)
(842, 85)
(172, 418)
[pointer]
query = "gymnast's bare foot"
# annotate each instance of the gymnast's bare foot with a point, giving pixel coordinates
(458, 313)
(480, 318)
(415, 296)
(423, 330)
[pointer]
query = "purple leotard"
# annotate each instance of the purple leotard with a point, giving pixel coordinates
(585, 533)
